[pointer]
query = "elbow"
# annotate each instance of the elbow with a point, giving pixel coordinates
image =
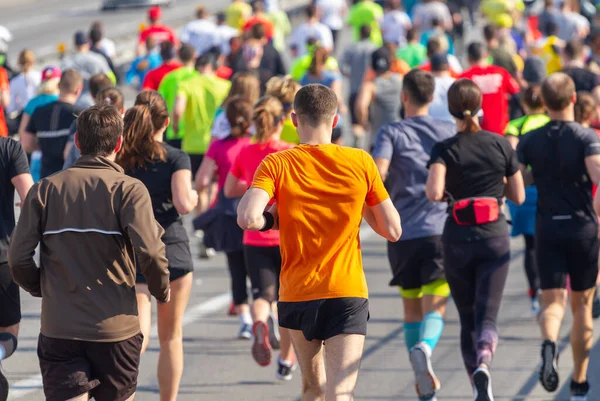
(394, 234)
(228, 191)
(183, 208)
(434, 195)
(248, 222)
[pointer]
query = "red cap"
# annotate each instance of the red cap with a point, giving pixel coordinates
(51, 72)
(154, 13)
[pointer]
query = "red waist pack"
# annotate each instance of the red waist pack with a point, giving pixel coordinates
(475, 211)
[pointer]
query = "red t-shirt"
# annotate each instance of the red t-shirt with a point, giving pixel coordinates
(154, 77)
(243, 169)
(269, 26)
(495, 84)
(160, 33)
(4, 86)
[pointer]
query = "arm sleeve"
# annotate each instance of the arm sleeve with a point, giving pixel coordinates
(25, 238)
(591, 143)
(376, 192)
(182, 162)
(137, 220)
(29, 108)
(437, 155)
(212, 151)
(18, 161)
(266, 176)
(384, 144)
(31, 125)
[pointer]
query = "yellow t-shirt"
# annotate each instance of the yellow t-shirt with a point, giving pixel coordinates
(289, 133)
(320, 191)
(237, 13)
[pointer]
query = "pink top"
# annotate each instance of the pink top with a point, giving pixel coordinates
(224, 152)
(243, 169)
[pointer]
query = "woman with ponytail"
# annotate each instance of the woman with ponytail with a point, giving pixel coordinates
(217, 161)
(261, 249)
(473, 171)
(166, 173)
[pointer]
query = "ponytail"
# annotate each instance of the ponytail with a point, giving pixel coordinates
(268, 114)
(239, 115)
(471, 123)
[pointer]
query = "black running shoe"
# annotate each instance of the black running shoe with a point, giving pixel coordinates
(596, 305)
(3, 386)
(580, 391)
(284, 371)
(549, 369)
(482, 385)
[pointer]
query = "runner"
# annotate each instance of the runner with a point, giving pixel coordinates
(319, 74)
(261, 250)
(159, 32)
(14, 173)
(23, 88)
(523, 217)
(90, 340)
(48, 128)
(301, 65)
(285, 89)
(440, 68)
(170, 85)
(311, 29)
(96, 36)
(427, 11)
(282, 28)
(332, 14)
(166, 173)
(564, 159)
(395, 24)
(327, 312)
(499, 57)
(201, 33)
(438, 31)
(219, 158)
(575, 67)
(495, 84)
(142, 65)
(154, 77)
(469, 170)
(106, 45)
(237, 13)
(366, 12)
(438, 45)
(260, 17)
(401, 154)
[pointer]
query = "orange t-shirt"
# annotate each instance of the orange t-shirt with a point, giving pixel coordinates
(4, 86)
(320, 191)
(398, 67)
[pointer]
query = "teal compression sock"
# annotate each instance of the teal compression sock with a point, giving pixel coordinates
(432, 327)
(411, 334)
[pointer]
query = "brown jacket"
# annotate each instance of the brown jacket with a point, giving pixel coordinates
(89, 220)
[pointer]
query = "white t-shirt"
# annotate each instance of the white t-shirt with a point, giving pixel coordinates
(23, 88)
(332, 13)
(394, 26)
(108, 47)
(425, 13)
(438, 108)
(202, 34)
(306, 31)
(225, 34)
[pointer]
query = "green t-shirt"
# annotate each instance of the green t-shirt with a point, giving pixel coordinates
(525, 124)
(283, 28)
(168, 89)
(414, 54)
(366, 13)
(289, 133)
(204, 96)
(301, 65)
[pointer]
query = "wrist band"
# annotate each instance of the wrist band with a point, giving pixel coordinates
(269, 221)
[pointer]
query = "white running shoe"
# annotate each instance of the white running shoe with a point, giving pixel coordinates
(482, 385)
(426, 383)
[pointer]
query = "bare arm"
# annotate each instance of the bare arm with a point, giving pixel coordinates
(436, 182)
(384, 220)
(29, 142)
(5, 98)
(365, 96)
(178, 110)
(336, 86)
(250, 210)
(24, 122)
(205, 174)
(526, 174)
(514, 189)
(383, 165)
(234, 187)
(185, 198)
(592, 164)
(22, 183)
(513, 140)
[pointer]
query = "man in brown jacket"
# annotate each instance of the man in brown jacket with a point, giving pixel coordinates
(89, 221)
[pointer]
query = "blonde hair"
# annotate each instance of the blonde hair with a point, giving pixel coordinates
(268, 114)
(245, 85)
(26, 59)
(284, 89)
(49, 87)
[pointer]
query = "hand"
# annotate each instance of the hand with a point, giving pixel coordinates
(194, 197)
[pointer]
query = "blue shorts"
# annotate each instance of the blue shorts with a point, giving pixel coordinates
(523, 217)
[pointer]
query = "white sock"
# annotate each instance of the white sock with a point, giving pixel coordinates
(246, 318)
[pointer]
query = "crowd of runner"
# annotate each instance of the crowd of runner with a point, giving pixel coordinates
(241, 119)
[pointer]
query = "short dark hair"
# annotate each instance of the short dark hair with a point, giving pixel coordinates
(434, 45)
(435, 22)
(550, 28)
(574, 49)
(258, 31)
(476, 51)
(365, 31)
(419, 85)
(98, 82)
(411, 34)
(221, 17)
(95, 34)
(70, 81)
(557, 91)
(311, 10)
(489, 32)
(258, 6)
(167, 51)
(314, 104)
(200, 12)
(98, 130)
(186, 53)
(205, 60)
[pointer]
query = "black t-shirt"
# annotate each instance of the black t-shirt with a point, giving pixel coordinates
(13, 162)
(585, 80)
(157, 178)
(476, 165)
(51, 124)
(556, 154)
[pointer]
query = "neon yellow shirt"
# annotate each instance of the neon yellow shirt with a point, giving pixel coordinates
(168, 89)
(366, 13)
(283, 28)
(237, 13)
(301, 65)
(204, 96)
(289, 133)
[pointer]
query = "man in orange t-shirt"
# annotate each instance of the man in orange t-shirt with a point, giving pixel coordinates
(260, 17)
(4, 100)
(322, 191)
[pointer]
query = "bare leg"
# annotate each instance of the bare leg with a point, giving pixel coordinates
(312, 366)
(82, 397)
(553, 311)
(144, 312)
(342, 358)
(286, 351)
(581, 333)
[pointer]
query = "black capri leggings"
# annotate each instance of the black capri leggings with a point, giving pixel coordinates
(476, 272)
(237, 270)
(263, 264)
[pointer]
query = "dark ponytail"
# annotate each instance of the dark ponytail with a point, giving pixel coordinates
(464, 102)
(239, 115)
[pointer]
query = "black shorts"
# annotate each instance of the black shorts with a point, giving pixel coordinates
(325, 318)
(70, 368)
(263, 264)
(10, 299)
(180, 262)
(576, 257)
(196, 162)
(416, 262)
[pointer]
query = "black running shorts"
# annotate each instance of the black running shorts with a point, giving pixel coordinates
(263, 264)
(576, 257)
(180, 262)
(325, 318)
(416, 262)
(70, 368)
(10, 300)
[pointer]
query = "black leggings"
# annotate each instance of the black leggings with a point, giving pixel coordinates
(476, 272)
(237, 270)
(531, 270)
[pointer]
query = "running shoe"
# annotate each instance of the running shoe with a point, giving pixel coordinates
(580, 391)
(596, 305)
(285, 370)
(482, 385)
(245, 332)
(549, 369)
(261, 348)
(231, 310)
(3, 385)
(535, 306)
(273, 331)
(426, 383)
